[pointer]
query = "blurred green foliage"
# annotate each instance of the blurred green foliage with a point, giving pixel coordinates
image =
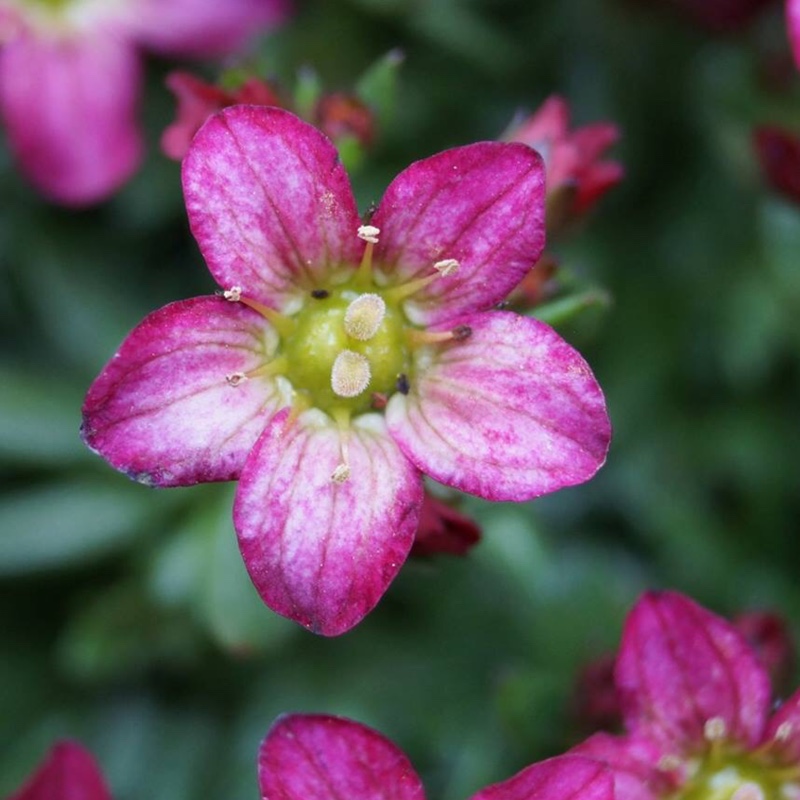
(127, 617)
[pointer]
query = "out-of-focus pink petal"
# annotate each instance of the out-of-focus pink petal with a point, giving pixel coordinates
(686, 675)
(482, 205)
(69, 772)
(200, 28)
(595, 182)
(594, 139)
(162, 410)
(562, 778)
(69, 106)
(269, 203)
(319, 551)
(511, 413)
(633, 762)
(783, 731)
(442, 529)
(793, 21)
(550, 123)
(317, 757)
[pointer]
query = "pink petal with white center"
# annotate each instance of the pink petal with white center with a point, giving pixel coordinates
(510, 413)
(686, 676)
(323, 552)
(561, 778)
(782, 736)
(163, 411)
(482, 205)
(633, 762)
(269, 203)
(68, 773)
(316, 757)
(793, 21)
(202, 28)
(69, 106)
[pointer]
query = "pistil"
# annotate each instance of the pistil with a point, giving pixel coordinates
(350, 374)
(364, 316)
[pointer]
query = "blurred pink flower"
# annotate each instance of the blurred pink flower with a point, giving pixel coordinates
(442, 529)
(71, 73)
(69, 772)
(343, 359)
(316, 757)
(577, 177)
(778, 151)
(696, 703)
(793, 23)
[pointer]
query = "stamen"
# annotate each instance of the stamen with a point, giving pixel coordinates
(369, 233)
(364, 316)
(457, 334)
(350, 374)
(234, 294)
(443, 269)
(715, 729)
(341, 472)
(783, 731)
(284, 325)
(669, 763)
(274, 367)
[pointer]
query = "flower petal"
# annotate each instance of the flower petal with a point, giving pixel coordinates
(511, 413)
(482, 205)
(633, 762)
(316, 757)
(201, 28)
(69, 107)
(68, 773)
(783, 732)
(561, 778)
(793, 20)
(685, 675)
(269, 203)
(162, 410)
(319, 551)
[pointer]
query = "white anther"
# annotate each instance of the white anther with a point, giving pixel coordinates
(350, 374)
(749, 790)
(446, 267)
(341, 473)
(369, 233)
(669, 763)
(715, 729)
(235, 378)
(234, 294)
(364, 316)
(783, 731)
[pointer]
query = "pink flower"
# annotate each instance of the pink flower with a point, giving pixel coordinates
(315, 757)
(778, 150)
(793, 23)
(70, 79)
(697, 706)
(442, 529)
(69, 772)
(343, 359)
(576, 175)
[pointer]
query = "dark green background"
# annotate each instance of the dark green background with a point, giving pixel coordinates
(127, 618)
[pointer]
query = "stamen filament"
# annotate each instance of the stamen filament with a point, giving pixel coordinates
(341, 473)
(416, 338)
(364, 274)
(398, 293)
(283, 324)
(275, 367)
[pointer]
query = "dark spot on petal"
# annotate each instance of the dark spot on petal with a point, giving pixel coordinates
(402, 384)
(320, 294)
(462, 332)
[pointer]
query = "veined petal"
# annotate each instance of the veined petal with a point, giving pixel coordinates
(633, 762)
(686, 676)
(783, 732)
(482, 205)
(269, 203)
(316, 757)
(319, 551)
(511, 413)
(69, 106)
(162, 410)
(201, 28)
(793, 20)
(68, 773)
(562, 778)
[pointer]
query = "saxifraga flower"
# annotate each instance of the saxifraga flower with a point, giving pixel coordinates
(342, 360)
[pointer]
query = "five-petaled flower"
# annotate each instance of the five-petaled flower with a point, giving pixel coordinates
(317, 757)
(70, 78)
(697, 705)
(577, 177)
(343, 359)
(69, 772)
